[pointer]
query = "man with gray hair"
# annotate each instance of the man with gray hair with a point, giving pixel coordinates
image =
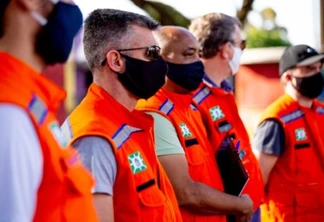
(221, 44)
(116, 142)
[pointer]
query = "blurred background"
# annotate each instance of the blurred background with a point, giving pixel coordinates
(269, 26)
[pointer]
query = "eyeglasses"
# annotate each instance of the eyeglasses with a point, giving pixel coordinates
(242, 45)
(153, 52)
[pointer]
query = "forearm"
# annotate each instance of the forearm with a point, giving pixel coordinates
(207, 200)
(104, 207)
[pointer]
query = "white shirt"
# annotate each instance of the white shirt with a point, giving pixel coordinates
(21, 165)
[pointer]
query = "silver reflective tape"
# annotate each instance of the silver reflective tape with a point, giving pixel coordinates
(320, 110)
(123, 134)
(166, 107)
(201, 95)
(292, 116)
(66, 130)
(38, 109)
(193, 107)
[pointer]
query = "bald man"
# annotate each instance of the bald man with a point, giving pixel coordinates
(181, 138)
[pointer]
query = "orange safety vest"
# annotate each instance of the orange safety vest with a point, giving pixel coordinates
(142, 191)
(221, 116)
(295, 189)
(190, 129)
(65, 190)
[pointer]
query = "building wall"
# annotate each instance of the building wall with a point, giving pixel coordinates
(256, 86)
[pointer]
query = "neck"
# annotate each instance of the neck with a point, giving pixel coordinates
(173, 87)
(110, 83)
(20, 43)
(215, 70)
(302, 100)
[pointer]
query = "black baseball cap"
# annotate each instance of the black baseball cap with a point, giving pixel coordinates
(298, 55)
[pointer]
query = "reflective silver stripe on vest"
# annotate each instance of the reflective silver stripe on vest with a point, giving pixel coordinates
(38, 109)
(123, 134)
(320, 110)
(201, 95)
(292, 116)
(66, 130)
(166, 107)
(193, 107)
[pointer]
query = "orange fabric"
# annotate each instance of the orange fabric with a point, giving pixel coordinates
(221, 116)
(65, 190)
(143, 195)
(295, 185)
(202, 166)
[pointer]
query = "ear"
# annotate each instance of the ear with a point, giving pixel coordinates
(115, 61)
(287, 75)
(226, 50)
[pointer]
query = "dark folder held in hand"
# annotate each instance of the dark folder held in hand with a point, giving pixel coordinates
(231, 168)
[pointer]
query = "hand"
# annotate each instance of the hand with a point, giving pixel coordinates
(247, 207)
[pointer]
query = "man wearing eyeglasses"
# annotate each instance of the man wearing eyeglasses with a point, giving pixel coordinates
(221, 44)
(181, 138)
(115, 141)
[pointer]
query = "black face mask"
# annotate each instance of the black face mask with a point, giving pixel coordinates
(189, 76)
(311, 86)
(55, 40)
(143, 78)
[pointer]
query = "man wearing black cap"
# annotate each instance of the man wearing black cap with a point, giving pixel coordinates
(289, 141)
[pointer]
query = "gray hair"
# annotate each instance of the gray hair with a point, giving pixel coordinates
(214, 30)
(107, 29)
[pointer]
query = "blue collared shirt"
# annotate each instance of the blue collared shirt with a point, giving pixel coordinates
(225, 85)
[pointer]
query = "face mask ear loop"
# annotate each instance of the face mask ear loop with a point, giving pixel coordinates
(39, 18)
(54, 1)
(291, 79)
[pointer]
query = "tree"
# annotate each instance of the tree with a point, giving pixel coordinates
(269, 35)
(167, 15)
(244, 11)
(163, 13)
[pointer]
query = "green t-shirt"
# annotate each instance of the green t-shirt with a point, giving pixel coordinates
(166, 138)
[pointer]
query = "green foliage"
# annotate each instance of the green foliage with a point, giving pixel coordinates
(269, 35)
(259, 37)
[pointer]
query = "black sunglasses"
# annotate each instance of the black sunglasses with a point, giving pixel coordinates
(242, 45)
(153, 52)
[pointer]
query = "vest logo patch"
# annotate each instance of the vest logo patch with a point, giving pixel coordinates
(58, 135)
(300, 134)
(216, 113)
(136, 162)
(185, 130)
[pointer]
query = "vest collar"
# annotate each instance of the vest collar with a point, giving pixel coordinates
(225, 85)
(183, 99)
(115, 110)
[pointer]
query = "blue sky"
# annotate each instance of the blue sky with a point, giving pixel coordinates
(300, 17)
